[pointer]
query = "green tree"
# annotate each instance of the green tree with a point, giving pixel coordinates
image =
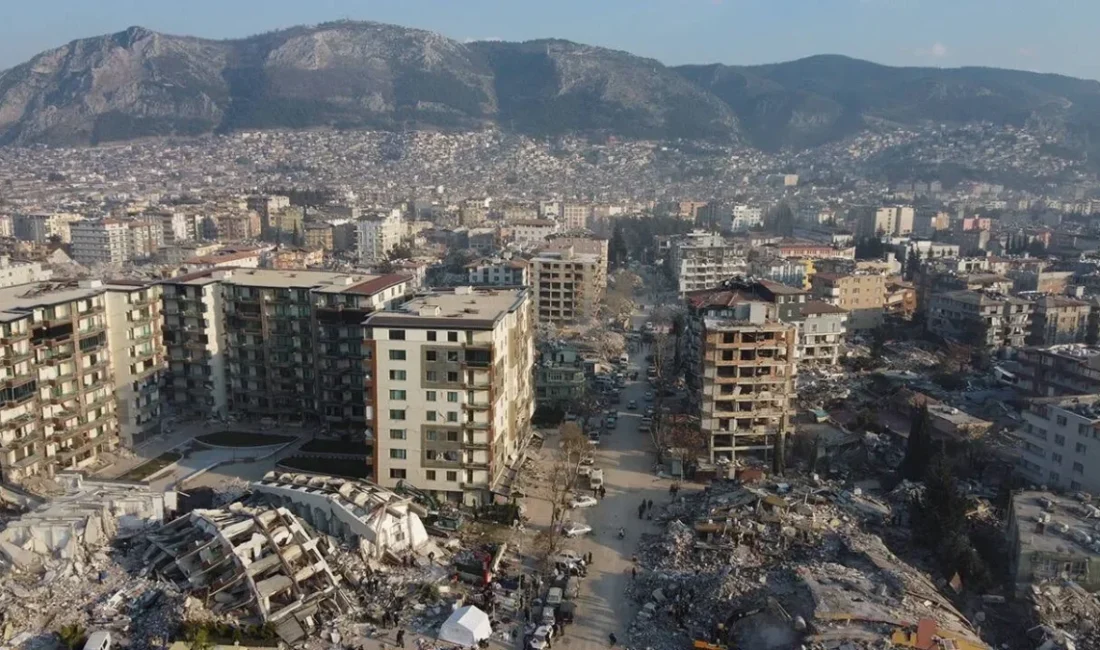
(918, 449)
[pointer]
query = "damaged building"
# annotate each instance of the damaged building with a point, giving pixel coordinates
(257, 564)
(357, 512)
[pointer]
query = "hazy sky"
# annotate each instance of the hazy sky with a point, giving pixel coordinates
(1042, 35)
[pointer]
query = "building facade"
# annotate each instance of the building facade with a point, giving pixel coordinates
(106, 241)
(982, 319)
(862, 295)
(1059, 320)
(135, 334)
(499, 273)
(457, 403)
(1060, 443)
(377, 236)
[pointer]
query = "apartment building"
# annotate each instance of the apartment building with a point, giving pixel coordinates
(174, 226)
(821, 333)
(378, 235)
(239, 225)
(106, 241)
(742, 364)
(534, 231)
(1058, 370)
(1059, 320)
(1060, 443)
(319, 236)
(560, 377)
(982, 319)
(568, 284)
(136, 340)
(269, 343)
(457, 400)
(575, 216)
(702, 261)
(746, 217)
(57, 400)
(862, 295)
(15, 273)
(895, 221)
(499, 272)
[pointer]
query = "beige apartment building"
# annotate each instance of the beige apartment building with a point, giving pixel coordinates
(453, 401)
(569, 276)
(75, 357)
(862, 295)
(1058, 320)
(272, 343)
(745, 361)
(983, 319)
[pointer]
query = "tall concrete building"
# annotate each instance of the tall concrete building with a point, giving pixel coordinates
(575, 216)
(15, 273)
(1058, 320)
(1060, 443)
(105, 241)
(453, 398)
(269, 343)
(702, 261)
(742, 364)
(135, 337)
(895, 220)
(65, 348)
(377, 236)
(862, 295)
(569, 277)
(982, 319)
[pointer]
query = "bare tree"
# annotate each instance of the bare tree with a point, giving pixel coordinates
(685, 439)
(546, 546)
(574, 446)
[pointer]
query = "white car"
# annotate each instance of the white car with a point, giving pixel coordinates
(584, 501)
(584, 470)
(575, 529)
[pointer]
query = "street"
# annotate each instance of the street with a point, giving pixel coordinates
(627, 460)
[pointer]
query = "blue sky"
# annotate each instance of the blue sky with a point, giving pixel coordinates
(1041, 35)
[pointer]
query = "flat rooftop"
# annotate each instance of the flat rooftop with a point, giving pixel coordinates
(17, 301)
(1063, 532)
(319, 281)
(461, 307)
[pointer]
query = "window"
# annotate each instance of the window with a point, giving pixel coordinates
(1059, 440)
(1083, 429)
(397, 414)
(431, 435)
(397, 335)
(452, 436)
(452, 396)
(397, 375)
(397, 473)
(397, 355)
(452, 476)
(1082, 448)
(1074, 485)
(431, 375)
(452, 337)
(1061, 420)
(1078, 468)
(1054, 477)
(431, 336)
(431, 355)
(397, 454)
(452, 356)
(452, 377)
(452, 416)
(397, 434)
(1056, 457)
(398, 395)
(430, 416)
(430, 474)
(430, 396)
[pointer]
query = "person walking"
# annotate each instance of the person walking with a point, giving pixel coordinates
(613, 639)
(401, 638)
(633, 573)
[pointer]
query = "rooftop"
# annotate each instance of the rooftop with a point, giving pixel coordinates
(320, 281)
(1053, 524)
(472, 308)
(17, 301)
(1087, 406)
(821, 307)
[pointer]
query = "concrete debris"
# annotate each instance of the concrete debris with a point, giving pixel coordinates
(1065, 612)
(783, 566)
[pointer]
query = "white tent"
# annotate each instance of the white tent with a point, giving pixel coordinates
(466, 626)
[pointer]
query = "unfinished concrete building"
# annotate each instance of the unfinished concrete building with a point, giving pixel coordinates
(358, 512)
(744, 363)
(257, 564)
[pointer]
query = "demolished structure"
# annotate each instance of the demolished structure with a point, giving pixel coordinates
(257, 564)
(88, 517)
(357, 512)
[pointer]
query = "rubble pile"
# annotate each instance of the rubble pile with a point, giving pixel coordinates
(787, 566)
(1064, 607)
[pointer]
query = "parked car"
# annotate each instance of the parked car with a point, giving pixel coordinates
(575, 529)
(555, 596)
(632, 405)
(595, 479)
(649, 396)
(583, 501)
(584, 470)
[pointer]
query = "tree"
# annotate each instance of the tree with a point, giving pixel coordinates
(72, 636)
(918, 449)
(780, 220)
(685, 440)
(944, 528)
(878, 341)
(912, 264)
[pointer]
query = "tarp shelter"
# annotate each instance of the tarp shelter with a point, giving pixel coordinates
(466, 626)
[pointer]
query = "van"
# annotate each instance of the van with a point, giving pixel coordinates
(595, 479)
(100, 640)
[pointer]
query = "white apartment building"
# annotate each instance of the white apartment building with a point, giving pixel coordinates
(194, 344)
(135, 337)
(746, 217)
(453, 399)
(377, 236)
(106, 241)
(895, 220)
(821, 333)
(704, 260)
(6, 227)
(14, 273)
(1060, 443)
(57, 391)
(534, 231)
(499, 273)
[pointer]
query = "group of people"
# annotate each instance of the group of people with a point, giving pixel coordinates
(646, 506)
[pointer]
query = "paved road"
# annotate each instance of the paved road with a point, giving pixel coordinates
(627, 460)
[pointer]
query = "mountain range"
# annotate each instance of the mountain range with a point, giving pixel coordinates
(141, 83)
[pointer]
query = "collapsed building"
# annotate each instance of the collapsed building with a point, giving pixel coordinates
(378, 520)
(257, 564)
(87, 517)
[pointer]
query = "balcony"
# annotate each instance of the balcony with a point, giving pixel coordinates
(476, 406)
(477, 426)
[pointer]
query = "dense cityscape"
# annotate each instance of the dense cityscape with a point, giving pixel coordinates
(354, 388)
